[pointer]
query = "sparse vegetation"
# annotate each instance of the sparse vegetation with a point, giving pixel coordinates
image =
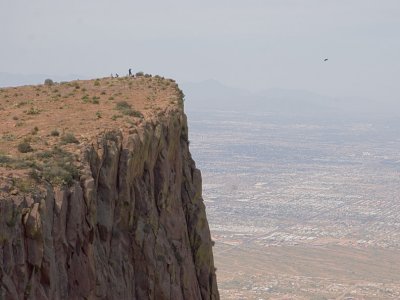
(54, 133)
(85, 98)
(8, 137)
(33, 111)
(57, 167)
(25, 147)
(115, 117)
(35, 130)
(126, 109)
(69, 138)
(48, 81)
(39, 117)
(21, 103)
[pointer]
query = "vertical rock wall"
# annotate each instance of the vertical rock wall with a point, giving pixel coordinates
(134, 227)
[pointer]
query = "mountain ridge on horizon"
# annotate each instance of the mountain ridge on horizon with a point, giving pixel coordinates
(212, 94)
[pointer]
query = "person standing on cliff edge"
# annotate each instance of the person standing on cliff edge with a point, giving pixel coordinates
(130, 72)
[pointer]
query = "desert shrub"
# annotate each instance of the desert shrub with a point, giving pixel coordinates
(24, 147)
(33, 111)
(35, 130)
(126, 109)
(95, 100)
(48, 81)
(57, 167)
(111, 98)
(85, 98)
(21, 103)
(8, 137)
(60, 173)
(23, 185)
(69, 138)
(4, 159)
(111, 136)
(115, 117)
(121, 105)
(97, 82)
(98, 114)
(54, 133)
(139, 74)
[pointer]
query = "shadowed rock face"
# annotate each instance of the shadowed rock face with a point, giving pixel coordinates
(134, 227)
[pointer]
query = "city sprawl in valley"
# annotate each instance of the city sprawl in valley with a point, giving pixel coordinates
(301, 209)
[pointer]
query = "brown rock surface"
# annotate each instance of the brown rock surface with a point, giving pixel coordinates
(118, 214)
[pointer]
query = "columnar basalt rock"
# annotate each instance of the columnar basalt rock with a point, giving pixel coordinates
(133, 227)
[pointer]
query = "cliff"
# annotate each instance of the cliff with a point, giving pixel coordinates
(99, 195)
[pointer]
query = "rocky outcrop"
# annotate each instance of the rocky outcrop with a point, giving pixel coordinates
(134, 227)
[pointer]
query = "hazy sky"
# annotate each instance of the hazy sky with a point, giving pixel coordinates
(249, 44)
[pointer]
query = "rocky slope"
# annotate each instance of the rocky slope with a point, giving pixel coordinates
(116, 214)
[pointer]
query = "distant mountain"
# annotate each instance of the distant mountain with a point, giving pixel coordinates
(213, 95)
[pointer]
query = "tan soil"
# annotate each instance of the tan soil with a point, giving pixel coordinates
(69, 107)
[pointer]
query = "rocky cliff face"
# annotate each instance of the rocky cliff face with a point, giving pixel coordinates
(132, 227)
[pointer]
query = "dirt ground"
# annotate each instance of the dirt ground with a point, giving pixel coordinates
(35, 120)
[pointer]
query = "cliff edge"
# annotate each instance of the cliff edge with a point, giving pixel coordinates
(99, 195)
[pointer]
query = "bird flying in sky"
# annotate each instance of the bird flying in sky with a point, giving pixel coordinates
(325, 59)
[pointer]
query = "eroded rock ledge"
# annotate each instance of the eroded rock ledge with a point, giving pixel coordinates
(133, 227)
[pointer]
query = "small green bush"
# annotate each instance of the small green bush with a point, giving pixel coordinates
(48, 81)
(69, 138)
(22, 103)
(115, 117)
(126, 109)
(35, 130)
(85, 98)
(33, 111)
(8, 137)
(24, 147)
(57, 167)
